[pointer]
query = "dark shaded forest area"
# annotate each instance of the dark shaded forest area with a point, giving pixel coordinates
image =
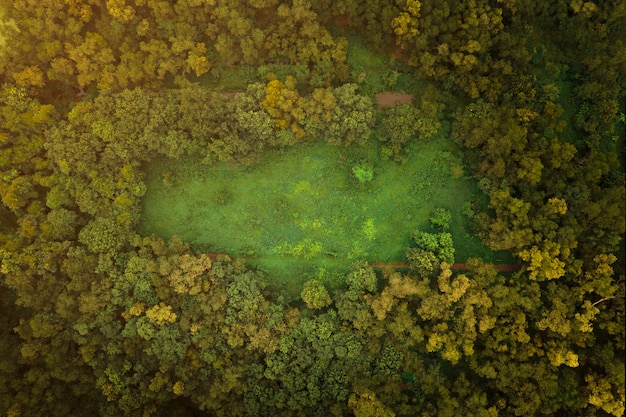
(97, 319)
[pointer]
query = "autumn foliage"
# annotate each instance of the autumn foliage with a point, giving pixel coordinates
(100, 320)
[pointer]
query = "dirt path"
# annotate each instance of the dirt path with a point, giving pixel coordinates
(456, 266)
(391, 99)
(384, 100)
(404, 265)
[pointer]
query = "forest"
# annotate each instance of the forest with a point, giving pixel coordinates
(312, 208)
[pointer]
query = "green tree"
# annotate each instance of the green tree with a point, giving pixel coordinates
(440, 244)
(440, 218)
(315, 295)
(351, 119)
(312, 368)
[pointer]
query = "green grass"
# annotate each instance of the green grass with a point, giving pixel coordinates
(373, 68)
(376, 71)
(300, 213)
(230, 77)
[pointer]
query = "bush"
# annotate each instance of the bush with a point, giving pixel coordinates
(363, 171)
(315, 295)
(425, 263)
(439, 244)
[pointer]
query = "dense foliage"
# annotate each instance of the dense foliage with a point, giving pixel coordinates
(99, 320)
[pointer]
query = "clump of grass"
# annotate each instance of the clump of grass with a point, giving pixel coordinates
(369, 230)
(440, 218)
(306, 249)
(363, 172)
(222, 197)
(456, 170)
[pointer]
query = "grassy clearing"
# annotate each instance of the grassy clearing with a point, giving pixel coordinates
(301, 213)
(239, 77)
(376, 72)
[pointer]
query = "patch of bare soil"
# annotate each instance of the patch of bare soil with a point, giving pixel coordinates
(391, 99)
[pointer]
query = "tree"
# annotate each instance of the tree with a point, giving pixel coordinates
(440, 244)
(399, 127)
(312, 368)
(93, 58)
(544, 264)
(440, 218)
(103, 235)
(29, 77)
(299, 38)
(424, 262)
(406, 24)
(60, 224)
(350, 121)
(366, 405)
(315, 295)
(363, 172)
(281, 102)
(447, 39)
(23, 164)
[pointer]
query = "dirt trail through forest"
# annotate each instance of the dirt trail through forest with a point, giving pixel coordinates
(456, 266)
(391, 99)
(384, 100)
(403, 265)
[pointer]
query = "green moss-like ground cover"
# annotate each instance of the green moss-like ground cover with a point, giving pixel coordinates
(300, 212)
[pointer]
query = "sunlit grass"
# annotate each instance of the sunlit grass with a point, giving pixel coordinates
(376, 72)
(301, 213)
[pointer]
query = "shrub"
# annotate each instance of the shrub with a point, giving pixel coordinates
(315, 295)
(440, 244)
(363, 171)
(440, 218)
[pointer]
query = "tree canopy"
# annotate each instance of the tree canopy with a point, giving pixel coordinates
(98, 319)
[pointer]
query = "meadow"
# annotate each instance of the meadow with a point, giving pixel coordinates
(301, 212)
